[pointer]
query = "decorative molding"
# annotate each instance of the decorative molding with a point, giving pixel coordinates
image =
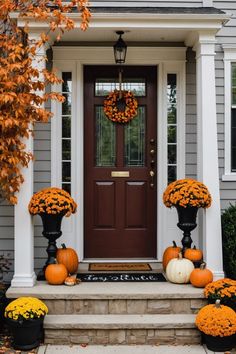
(67, 58)
(207, 3)
(229, 57)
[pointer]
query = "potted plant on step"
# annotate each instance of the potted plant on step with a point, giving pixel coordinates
(223, 290)
(25, 316)
(217, 324)
(187, 196)
(51, 204)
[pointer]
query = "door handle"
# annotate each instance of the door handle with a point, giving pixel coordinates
(152, 174)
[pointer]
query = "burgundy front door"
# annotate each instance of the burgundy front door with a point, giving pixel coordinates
(120, 167)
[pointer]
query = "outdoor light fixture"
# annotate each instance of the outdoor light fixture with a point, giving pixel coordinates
(120, 49)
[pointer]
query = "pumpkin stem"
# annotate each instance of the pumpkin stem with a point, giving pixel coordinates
(203, 265)
(194, 247)
(180, 256)
(217, 303)
(63, 246)
(174, 244)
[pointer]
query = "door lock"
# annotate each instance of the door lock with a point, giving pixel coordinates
(152, 174)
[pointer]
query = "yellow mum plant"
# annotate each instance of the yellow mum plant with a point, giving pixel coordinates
(25, 308)
(216, 320)
(222, 289)
(187, 192)
(52, 201)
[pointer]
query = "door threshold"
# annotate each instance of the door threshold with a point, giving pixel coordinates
(120, 260)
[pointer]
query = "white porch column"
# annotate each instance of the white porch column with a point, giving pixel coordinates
(24, 275)
(207, 151)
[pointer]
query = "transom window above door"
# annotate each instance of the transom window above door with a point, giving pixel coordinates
(103, 86)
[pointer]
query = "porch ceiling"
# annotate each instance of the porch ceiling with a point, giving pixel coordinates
(143, 25)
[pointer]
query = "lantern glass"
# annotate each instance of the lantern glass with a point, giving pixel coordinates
(120, 49)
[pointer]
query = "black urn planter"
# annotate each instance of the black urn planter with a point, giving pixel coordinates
(187, 223)
(51, 231)
(27, 334)
(219, 344)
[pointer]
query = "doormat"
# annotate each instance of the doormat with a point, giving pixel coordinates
(121, 277)
(119, 267)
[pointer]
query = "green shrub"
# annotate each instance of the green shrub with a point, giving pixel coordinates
(229, 241)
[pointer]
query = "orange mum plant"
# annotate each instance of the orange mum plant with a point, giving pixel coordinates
(111, 106)
(23, 78)
(216, 320)
(222, 289)
(52, 201)
(187, 192)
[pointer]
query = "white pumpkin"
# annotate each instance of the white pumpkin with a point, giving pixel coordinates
(178, 270)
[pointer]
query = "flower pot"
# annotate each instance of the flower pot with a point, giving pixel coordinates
(187, 222)
(27, 334)
(219, 344)
(52, 231)
(51, 222)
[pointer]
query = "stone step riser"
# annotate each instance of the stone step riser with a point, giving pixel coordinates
(123, 336)
(125, 306)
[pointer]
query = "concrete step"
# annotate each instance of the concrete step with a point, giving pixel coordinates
(116, 298)
(122, 349)
(121, 329)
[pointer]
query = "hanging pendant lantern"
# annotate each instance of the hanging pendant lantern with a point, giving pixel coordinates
(120, 49)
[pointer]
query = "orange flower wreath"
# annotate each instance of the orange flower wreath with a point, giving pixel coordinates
(112, 110)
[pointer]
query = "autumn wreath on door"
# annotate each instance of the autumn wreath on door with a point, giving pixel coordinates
(120, 106)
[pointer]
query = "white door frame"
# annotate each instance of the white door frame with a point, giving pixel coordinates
(168, 60)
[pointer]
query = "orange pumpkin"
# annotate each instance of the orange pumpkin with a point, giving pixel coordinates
(200, 277)
(69, 258)
(170, 253)
(193, 254)
(56, 274)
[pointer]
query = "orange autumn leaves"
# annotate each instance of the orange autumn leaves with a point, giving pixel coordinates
(22, 84)
(187, 192)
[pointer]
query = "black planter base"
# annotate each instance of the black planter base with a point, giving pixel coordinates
(26, 335)
(219, 344)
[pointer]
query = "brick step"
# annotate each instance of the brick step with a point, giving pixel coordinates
(121, 329)
(124, 306)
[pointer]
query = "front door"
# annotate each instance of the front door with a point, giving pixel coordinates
(120, 208)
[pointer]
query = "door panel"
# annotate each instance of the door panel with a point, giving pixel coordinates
(120, 202)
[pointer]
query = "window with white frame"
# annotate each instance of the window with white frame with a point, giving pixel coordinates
(230, 113)
(233, 117)
(66, 131)
(171, 127)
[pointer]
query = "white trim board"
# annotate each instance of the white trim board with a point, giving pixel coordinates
(168, 60)
(229, 58)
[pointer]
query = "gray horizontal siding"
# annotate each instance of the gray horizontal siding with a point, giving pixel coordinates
(7, 236)
(227, 35)
(42, 179)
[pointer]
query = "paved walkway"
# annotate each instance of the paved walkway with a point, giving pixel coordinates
(123, 349)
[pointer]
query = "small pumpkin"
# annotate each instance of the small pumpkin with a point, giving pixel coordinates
(69, 258)
(170, 253)
(202, 276)
(178, 270)
(55, 274)
(193, 254)
(70, 281)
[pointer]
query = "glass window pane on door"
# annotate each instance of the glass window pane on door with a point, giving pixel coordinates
(105, 140)
(135, 132)
(104, 86)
